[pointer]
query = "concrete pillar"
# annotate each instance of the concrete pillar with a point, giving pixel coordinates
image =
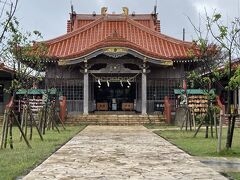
(85, 92)
(144, 92)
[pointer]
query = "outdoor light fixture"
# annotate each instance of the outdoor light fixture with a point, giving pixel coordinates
(99, 87)
(108, 84)
(128, 83)
(128, 86)
(99, 82)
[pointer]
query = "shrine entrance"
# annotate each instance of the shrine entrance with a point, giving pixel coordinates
(115, 96)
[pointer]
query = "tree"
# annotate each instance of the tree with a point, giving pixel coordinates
(25, 55)
(226, 38)
(210, 57)
(21, 50)
(7, 12)
(235, 79)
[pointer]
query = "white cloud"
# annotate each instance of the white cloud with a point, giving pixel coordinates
(206, 6)
(101, 3)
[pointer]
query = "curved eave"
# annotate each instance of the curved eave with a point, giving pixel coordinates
(103, 50)
(133, 49)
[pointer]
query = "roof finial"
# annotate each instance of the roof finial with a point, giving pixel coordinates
(155, 14)
(155, 8)
(125, 11)
(104, 11)
(72, 16)
(72, 9)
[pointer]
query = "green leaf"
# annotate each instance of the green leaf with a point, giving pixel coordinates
(216, 17)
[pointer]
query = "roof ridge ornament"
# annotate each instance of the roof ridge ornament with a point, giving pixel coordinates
(125, 11)
(115, 52)
(104, 11)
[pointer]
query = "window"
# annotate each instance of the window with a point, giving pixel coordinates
(157, 89)
(71, 88)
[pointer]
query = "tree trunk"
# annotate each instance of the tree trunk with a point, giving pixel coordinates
(206, 134)
(4, 129)
(25, 122)
(232, 128)
(211, 121)
(215, 122)
(11, 133)
(194, 121)
(229, 102)
(229, 131)
(22, 121)
(45, 118)
(31, 122)
(200, 125)
(220, 132)
(235, 112)
(19, 127)
(35, 124)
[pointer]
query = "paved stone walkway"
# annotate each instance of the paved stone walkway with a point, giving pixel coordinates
(221, 164)
(120, 152)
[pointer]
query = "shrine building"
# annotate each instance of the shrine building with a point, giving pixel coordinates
(116, 62)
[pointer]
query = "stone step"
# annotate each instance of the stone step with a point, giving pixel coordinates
(113, 123)
(128, 122)
(237, 122)
(115, 119)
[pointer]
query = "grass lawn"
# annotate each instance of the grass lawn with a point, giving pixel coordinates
(21, 159)
(163, 126)
(234, 175)
(200, 146)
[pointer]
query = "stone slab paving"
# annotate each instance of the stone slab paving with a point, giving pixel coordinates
(121, 152)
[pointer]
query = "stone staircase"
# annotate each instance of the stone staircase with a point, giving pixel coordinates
(110, 119)
(237, 123)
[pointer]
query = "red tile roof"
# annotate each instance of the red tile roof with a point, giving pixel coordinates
(79, 20)
(121, 31)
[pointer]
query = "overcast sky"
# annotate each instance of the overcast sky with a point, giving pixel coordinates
(50, 16)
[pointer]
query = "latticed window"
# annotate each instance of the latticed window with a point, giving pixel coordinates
(174, 84)
(71, 88)
(151, 90)
(157, 89)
